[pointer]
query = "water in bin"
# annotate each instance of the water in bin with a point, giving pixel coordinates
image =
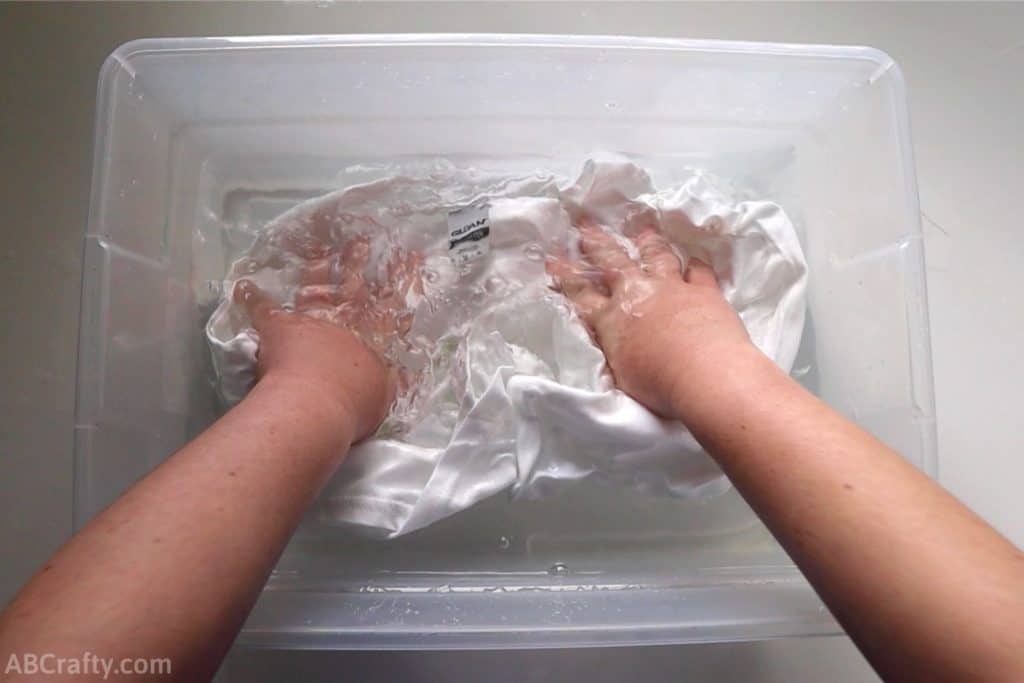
(504, 392)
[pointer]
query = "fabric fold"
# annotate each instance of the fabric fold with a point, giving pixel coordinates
(511, 394)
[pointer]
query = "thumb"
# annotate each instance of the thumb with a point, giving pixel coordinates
(258, 303)
(700, 274)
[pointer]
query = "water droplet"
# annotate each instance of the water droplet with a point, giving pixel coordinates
(611, 105)
(504, 542)
(533, 252)
(559, 569)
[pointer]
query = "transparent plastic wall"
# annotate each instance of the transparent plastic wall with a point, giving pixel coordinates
(201, 141)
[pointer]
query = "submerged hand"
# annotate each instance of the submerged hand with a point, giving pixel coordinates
(336, 338)
(654, 321)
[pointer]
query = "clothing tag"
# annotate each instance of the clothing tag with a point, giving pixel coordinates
(469, 230)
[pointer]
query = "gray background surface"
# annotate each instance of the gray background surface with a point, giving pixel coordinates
(964, 66)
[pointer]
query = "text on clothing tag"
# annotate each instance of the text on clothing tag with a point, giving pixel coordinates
(468, 231)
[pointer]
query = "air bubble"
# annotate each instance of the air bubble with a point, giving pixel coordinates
(494, 285)
(797, 373)
(559, 569)
(533, 252)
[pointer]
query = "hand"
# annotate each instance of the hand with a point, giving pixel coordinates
(336, 340)
(656, 323)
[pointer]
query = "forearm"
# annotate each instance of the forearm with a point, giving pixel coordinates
(172, 568)
(925, 587)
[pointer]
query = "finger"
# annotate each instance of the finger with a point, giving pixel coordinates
(257, 303)
(342, 315)
(348, 270)
(579, 288)
(325, 225)
(389, 322)
(348, 316)
(324, 271)
(374, 339)
(301, 239)
(604, 251)
(352, 291)
(588, 304)
(391, 292)
(312, 296)
(570, 277)
(327, 314)
(355, 254)
(700, 274)
(656, 254)
(378, 323)
(404, 274)
(403, 323)
(414, 280)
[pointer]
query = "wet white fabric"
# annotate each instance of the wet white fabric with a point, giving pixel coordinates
(512, 394)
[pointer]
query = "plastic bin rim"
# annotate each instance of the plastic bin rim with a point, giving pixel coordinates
(135, 48)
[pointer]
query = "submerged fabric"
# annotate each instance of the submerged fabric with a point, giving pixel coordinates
(511, 394)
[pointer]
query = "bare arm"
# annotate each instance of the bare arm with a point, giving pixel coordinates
(172, 568)
(926, 589)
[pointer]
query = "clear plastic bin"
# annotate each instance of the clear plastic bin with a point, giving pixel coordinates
(200, 141)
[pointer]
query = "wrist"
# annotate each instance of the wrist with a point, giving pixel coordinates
(320, 409)
(709, 385)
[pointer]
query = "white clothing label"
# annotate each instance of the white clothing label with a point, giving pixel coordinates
(469, 231)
